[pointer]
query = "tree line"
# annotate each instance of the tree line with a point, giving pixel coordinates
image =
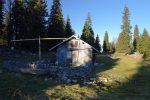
(140, 42)
(127, 42)
(22, 19)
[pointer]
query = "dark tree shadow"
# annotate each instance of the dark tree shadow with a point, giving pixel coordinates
(135, 88)
(26, 87)
(105, 62)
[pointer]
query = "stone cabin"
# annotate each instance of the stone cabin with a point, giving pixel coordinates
(75, 51)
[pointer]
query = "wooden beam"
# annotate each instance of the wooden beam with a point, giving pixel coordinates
(53, 38)
(38, 39)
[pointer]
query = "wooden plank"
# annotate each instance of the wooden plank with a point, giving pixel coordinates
(75, 57)
(38, 39)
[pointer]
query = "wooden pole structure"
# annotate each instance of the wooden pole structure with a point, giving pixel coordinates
(39, 48)
(39, 40)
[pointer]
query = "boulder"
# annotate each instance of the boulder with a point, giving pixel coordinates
(74, 81)
(92, 79)
(68, 81)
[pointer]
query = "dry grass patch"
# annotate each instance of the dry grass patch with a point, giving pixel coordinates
(75, 92)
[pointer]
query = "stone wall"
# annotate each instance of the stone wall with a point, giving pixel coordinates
(45, 68)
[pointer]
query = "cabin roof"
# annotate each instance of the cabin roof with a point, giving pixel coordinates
(64, 41)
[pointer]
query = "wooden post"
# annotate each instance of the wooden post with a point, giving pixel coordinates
(36, 39)
(39, 48)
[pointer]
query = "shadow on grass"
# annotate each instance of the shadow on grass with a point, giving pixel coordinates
(105, 62)
(19, 87)
(24, 87)
(135, 88)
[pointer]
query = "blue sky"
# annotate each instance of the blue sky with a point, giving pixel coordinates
(106, 15)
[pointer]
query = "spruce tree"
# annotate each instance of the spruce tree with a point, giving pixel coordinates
(6, 25)
(87, 32)
(18, 21)
(8, 30)
(124, 40)
(56, 21)
(1, 17)
(144, 44)
(68, 29)
(40, 15)
(122, 45)
(32, 19)
(97, 43)
(126, 21)
(56, 25)
(106, 46)
(35, 18)
(136, 37)
(18, 18)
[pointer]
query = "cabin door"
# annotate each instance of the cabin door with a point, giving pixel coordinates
(75, 54)
(75, 51)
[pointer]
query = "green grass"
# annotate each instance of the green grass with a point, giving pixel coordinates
(128, 77)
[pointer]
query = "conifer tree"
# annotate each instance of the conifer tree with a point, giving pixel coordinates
(68, 29)
(87, 32)
(144, 44)
(126, 21)
(136, 37)
(40, 15)
(1, 17)
(18, 21)
(32, 19)
(97, 43)
(56, 25)
(124, 40)
(35, 18)
(8, 22)
(123, 45)
(56, 21)
(106, 46)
